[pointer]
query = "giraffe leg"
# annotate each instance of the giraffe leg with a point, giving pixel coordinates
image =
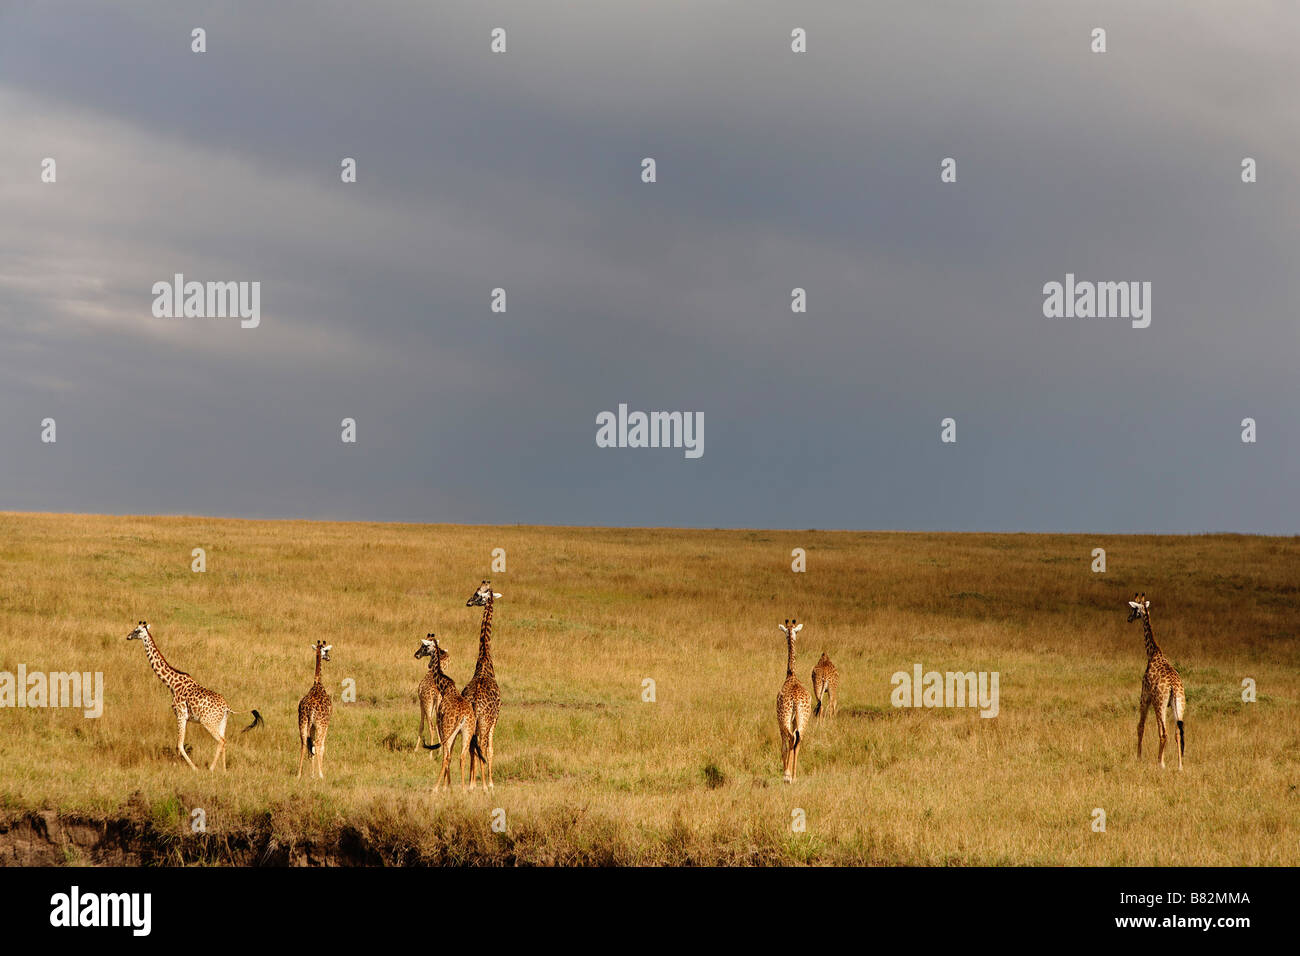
(1143, 706)
(221, 730)
(220, 738)
(1180, 708)
(475, 761)
(1160, 706)
(464, 747)
(444, 773)
(302, 750)
(419, 737)
(431, 718)
(463, 728)
(785, 754)
(492, 731)
(447, 742)
(320, 753)
(181, 720)
(483, 755)
(219, 756)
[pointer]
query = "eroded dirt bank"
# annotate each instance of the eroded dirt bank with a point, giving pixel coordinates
(46, 838)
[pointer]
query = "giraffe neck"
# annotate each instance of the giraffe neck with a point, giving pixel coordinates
(1152, 648)
(166, 673)
(484, 663)
(318, 665)
(789, 663)
(440, 679)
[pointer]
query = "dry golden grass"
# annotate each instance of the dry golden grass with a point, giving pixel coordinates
(588, 773)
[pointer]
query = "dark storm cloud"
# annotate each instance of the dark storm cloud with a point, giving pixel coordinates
(775, 171)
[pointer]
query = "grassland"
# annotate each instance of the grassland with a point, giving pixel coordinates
(588, 772)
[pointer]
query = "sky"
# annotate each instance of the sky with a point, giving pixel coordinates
(522, 170)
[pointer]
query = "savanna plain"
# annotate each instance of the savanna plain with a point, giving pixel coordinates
(593, 764)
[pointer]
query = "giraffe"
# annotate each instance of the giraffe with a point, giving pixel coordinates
(190, 701)
(1161, 685)
(453, 714)
(314, 718)
(482, 691)
(826, 686)
(792, 707)
(427, 695)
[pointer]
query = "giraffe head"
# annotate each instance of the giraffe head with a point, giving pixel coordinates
(480, 597)
(791, 628)
(323, 648)
(428, 646)
(140, 633)
(1140, 606)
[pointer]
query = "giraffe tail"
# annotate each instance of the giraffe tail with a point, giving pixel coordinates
(1180, 707)
(472, 742)
(474, 748)
(258, 722)
(817, 711)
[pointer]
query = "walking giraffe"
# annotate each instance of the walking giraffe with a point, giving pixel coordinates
(792, 707)
(190, 701)
(482, 691)
(452, 713)
(825, 686)
(1161, 685)
(314, 718)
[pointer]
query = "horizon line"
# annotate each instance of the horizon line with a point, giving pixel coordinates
(616, 527)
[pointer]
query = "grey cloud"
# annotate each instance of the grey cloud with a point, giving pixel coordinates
(775, 171)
